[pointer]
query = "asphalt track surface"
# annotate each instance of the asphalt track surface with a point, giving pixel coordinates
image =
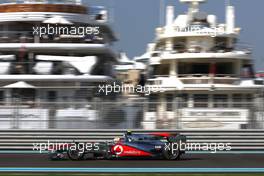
(187, 161)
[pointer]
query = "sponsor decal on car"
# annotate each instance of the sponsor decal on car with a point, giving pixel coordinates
(118, 149)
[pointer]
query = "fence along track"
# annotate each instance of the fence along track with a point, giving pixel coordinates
(24, 139)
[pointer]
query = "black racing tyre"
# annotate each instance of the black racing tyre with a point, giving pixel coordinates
(107, 153)
(170, 154)
(108, 156)
(75, 154)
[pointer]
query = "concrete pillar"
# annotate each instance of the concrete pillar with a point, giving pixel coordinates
(36, 39)
(174, 68)
(190, 101)
(238, 66)
(230, 100)
(169, 44)
(8, 98)
(161, 107)
(39, 95)
(211, 101)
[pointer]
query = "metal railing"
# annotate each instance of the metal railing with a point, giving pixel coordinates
(132, 115)
(181, 48)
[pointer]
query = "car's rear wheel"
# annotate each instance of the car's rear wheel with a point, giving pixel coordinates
(75, 154)
(107, 155)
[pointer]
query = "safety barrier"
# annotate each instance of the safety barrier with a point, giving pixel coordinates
(24, 139)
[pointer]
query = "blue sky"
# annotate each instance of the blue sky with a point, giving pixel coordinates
(135, 22)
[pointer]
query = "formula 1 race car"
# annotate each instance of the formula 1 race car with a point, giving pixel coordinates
(153, 145)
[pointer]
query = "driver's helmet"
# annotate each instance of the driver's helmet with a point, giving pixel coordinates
(116, 139)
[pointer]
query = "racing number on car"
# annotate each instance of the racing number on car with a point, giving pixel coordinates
(118, 149)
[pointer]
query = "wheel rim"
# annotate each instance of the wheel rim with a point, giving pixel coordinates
(74, 154)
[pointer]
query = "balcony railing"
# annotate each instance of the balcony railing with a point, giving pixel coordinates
(208, 79)
(207, 75)
(29, 37)
(198, 79)
(197, 48)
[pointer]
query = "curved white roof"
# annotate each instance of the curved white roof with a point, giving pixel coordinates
(82, 64)
(124, 60)
(20, 85)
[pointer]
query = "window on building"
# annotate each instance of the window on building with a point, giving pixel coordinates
(2, 97)
(200, 68)
(194, 69)
(24, 95)
(200, 100)
(247, 71)
(224, 69)
(179, 45)
(82, 95)
(184, 100)
(249, 100)
(169, 100)
(220, 44)
(52, 96)
(220, 101)
(237, 100)
(160, 70)
(153, 100)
